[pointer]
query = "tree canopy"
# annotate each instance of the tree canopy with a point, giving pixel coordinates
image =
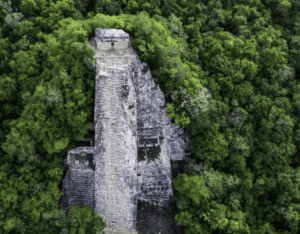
(230, 70)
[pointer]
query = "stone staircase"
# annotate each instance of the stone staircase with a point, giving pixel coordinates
(82, 188)
(112, 202)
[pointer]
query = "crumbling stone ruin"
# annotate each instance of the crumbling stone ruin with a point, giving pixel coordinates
(133, 145)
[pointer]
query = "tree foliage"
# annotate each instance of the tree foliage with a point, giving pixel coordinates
(230, 70)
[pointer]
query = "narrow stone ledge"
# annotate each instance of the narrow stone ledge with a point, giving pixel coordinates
(116, 231)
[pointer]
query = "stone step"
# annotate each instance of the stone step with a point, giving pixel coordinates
(112, 88)
(116, 231)
(117, 80)
(77, 187)
(86, 200)
(78, 199)
(92, 205)
(117, 83)
(81, 185)
(82, 182)
(83, 177)
(108, 111)
(87, 203)
(79, 191)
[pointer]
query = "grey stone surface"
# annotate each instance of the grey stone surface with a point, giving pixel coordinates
(81, 189)
(135, 142)
(115, 132)
(156, 219)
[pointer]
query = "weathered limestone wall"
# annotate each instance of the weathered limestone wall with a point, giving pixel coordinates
(159, 140)
(154, 168)
(115, 132)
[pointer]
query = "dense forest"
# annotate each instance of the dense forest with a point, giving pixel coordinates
(231, 69)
